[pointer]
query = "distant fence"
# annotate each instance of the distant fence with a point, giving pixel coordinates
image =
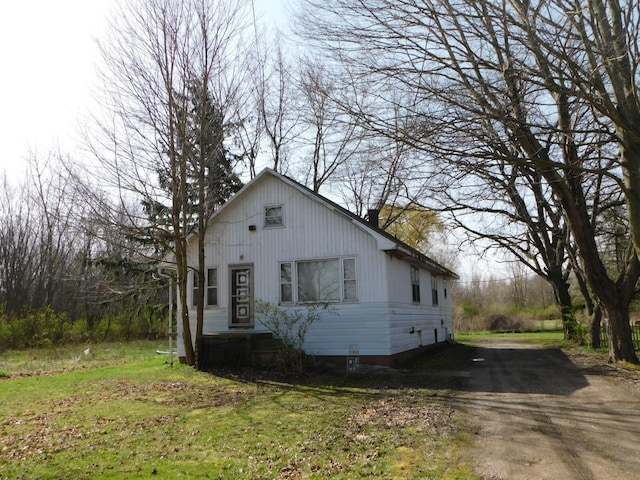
(635, 335)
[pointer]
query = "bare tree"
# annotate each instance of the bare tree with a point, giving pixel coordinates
(158, 55)
(544, 79)
(17, 247)
(382, 172)
(515, 209)
(330, 137)
(37, 236)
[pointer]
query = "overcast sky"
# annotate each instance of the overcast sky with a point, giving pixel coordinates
(48, 51)
(49, 55)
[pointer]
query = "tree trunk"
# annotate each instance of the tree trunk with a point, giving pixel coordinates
(567, 311)
(186, 330)
(201, 296)
(631, 172)
(614, 297)
(184, 309)
(595, 326)
(620, 340)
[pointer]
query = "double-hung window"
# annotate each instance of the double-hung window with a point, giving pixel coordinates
(434, 290)
(211, 288)
(349, 290)
(322, 280)
(286, 283)
(415, 284)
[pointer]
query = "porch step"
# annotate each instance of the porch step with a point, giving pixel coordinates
(234, 350)
(266, 344)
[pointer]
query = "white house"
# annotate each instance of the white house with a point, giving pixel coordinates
(280, 242)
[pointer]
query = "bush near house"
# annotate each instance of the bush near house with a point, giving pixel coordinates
(290, 326)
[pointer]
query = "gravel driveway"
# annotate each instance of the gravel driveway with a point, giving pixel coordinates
(547, 413)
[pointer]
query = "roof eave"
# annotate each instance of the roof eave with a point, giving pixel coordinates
(405, 254)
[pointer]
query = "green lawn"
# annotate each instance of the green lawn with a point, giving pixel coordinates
(121, 411)
(547, 337)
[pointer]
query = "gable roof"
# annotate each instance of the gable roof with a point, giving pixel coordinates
(386, 241)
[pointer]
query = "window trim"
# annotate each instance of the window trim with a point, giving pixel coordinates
(434, 291)
(265, 224)
(208, 288)
(194, 287)
(290, 283)
(414, 275)
(294, 281)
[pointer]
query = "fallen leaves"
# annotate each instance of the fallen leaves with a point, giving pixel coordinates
(45, 429)
(402, 411)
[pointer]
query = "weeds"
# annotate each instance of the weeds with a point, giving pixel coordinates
(290, 326)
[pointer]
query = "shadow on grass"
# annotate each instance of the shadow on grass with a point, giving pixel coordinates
(439, 369)
(458, 367)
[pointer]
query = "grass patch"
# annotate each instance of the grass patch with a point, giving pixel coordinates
(51, 360)
(547, 337)
(121, 410)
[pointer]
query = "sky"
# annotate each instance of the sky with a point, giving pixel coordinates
(49, 54)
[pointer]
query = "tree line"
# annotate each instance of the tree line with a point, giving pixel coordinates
(62, 278)
(514, 124)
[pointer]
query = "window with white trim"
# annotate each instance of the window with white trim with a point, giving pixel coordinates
(322, 280)
(349, 291)
(286, 283)
(273, 216)
(211, 288)
(434, 290)
(415, 284)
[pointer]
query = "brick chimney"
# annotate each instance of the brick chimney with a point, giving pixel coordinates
(373, 215)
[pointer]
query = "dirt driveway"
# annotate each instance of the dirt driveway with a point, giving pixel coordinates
(551, 414)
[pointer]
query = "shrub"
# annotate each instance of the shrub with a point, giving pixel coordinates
(290, 326)
(466, 310)
(33, 328)
(503, 323)
(45, 327)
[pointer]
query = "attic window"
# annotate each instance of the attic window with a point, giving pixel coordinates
(273, 216)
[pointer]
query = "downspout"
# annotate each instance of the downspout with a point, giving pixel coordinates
(170, 300)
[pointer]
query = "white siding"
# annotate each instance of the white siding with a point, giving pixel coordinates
(379, 322)
(365, 325)
(412, 325)
(310, 231)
